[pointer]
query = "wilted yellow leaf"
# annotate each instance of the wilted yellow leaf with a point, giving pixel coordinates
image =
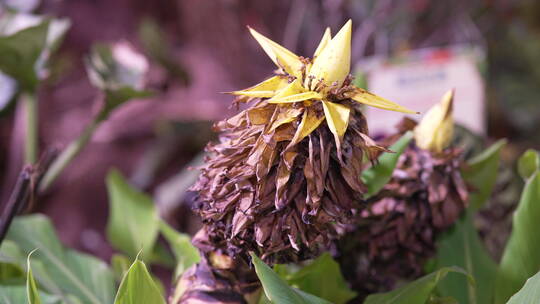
(435, 130)
(334, 61)
(337, 118)
(282, 57)
(367, 98)
(265, 89)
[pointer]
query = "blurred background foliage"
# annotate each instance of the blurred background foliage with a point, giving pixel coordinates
(197, 49)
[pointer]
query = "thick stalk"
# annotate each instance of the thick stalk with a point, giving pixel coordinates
(31, 137)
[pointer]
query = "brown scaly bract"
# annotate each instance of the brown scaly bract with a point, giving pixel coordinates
(264, 192)
(397, 232)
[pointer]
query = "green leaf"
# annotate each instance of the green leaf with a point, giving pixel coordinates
(462, 247)
(521, 257)
(481, 173)
(11, 274)
(31, 286)
(58, 270)
(377, 176)
(529, 294)
(185, 253)
(277, 291)
(417, 292)
(18, 295)
(528, 163)
(20, 52)
(138, 287)
(323, 279)
(133, 219)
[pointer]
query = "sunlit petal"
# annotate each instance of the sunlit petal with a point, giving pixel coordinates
(292, 88)
(334, 61)
(265, 89)
(435, 130)
(296, 97)
(337, 118)
(367, 98)
(282, 57)
(324, 42)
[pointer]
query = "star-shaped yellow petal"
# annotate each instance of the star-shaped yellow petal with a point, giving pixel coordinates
(334, 62)
(282, 57)
(324, 42)
(265, 89)
(337, 118)
(370, 99)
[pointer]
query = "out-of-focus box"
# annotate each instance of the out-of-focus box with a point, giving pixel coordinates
(417, 79)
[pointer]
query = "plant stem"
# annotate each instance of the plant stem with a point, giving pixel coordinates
(31, 140)
(68, 154)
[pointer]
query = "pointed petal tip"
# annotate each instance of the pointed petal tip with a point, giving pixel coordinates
(334, 61)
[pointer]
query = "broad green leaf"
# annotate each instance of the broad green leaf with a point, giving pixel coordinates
(59, 271)
(462, 247)
(133, 219)
(11, 271)
(521, 257)
(529, 294)
(377, 176)
(481, 173)
(18, 295)
(138, 287)
(20, 52)
(323, 279)
(31, 286)
(11, 274)
(185, 253)
(528, 163)
(417, 292)
(277, 291)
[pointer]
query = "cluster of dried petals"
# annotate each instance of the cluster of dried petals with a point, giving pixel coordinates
(397, 232)
(284, 177)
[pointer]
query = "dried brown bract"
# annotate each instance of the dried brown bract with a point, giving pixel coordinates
(397, 232)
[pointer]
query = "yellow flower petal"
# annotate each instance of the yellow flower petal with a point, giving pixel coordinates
(370, 99)
(296, 97)
(292, 88)
(324, 42)
(282, 57)
(334, 61)
(435, 130)
(337, 118)
(310, 122)
(265, 89)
